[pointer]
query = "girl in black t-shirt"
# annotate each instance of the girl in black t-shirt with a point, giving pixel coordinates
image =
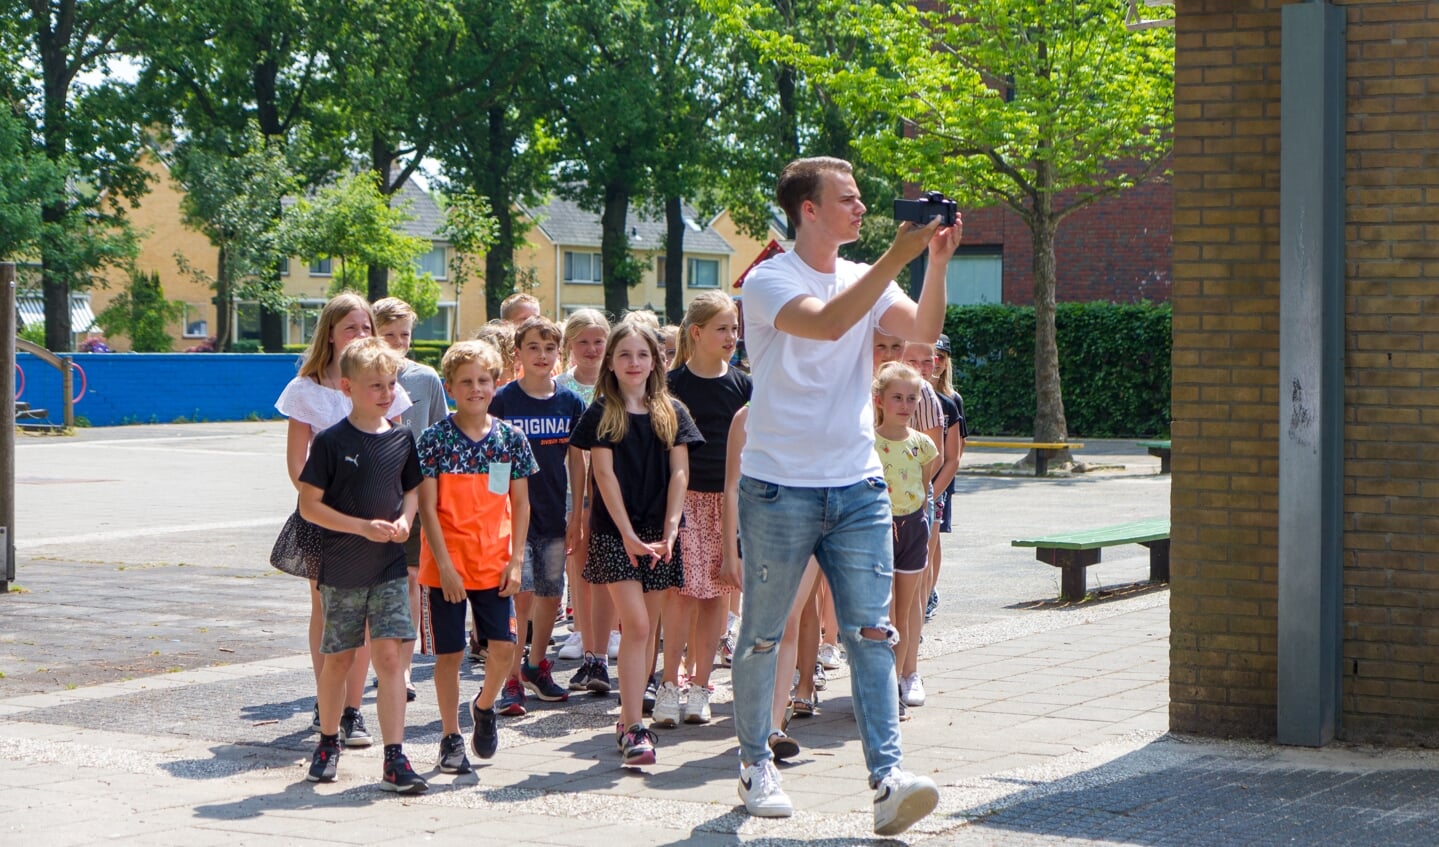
(713, 391)
(639, 438)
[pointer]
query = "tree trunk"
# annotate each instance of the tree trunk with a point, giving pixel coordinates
(222, 304)
(381, 159)
(500, 258)
(55, 271)
(674, 260)
(1049, 422)
(615, 250)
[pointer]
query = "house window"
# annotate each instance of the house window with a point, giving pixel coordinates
(975, 275)
(582, 268)
(660, 271)
(320, 267)
(247, 321)
(194, 324)
(437, 326)
(703, 273)
(285, 266)
(433, 263)
(303, 318)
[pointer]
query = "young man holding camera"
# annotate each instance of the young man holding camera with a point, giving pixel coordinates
(811, 483)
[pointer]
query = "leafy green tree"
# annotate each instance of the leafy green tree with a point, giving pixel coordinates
(497, 142)
(142, 314)
(471, 229)
(88, 132)
(212, 69)
(393, 65)
(351, 223)
(601, 88)
(1045, 107)
(230, 188)
(27, 181)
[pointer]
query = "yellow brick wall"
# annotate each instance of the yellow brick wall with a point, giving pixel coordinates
(1226, 360)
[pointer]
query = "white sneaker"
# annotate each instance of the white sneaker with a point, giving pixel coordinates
(573, 648)
(697, 704)
(760, 792)
(614, 648)
(667, 706)
(912, 690)
(901, 799)
(829, 657)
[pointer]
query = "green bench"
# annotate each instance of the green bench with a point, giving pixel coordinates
(1159, 449)
(1043, 451)
(1072, 552)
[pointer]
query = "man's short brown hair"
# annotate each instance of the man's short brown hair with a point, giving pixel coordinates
(801, 180)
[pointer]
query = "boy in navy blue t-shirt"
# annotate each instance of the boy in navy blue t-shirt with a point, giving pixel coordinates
(546, 413)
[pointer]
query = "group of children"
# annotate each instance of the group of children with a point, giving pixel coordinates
(589, 456)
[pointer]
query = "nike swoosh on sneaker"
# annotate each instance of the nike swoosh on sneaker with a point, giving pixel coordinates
(748, 784)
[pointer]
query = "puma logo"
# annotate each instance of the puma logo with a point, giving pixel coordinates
(354, 460)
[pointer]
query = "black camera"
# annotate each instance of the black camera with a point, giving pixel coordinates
(930, 205)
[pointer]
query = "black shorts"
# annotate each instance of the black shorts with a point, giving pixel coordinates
(911, 542)
(442, 623)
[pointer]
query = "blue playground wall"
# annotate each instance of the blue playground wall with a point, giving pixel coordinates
(132, 388)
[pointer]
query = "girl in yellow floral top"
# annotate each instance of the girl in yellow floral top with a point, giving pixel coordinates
(909, 459)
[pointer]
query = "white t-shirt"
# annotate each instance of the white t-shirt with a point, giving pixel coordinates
(811, 419)
(311, 403)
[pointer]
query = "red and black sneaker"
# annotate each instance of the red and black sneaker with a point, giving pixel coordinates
(541, 682)
(323, 765)
(401, 778)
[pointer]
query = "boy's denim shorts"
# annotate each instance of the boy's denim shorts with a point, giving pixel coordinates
(544, 568)
(384, 607)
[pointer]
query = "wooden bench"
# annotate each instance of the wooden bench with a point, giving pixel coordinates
(1160, 449)
(1043, 451)
(1072, 552)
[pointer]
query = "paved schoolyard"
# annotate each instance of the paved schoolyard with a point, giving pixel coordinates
(156, 690)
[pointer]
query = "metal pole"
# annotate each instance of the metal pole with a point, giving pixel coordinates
(1311, 373)
(7, 427)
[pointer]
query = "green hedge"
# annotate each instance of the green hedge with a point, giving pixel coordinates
(1113, 367)
(425, 352)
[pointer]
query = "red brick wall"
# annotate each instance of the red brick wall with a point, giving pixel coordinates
(1119, 249)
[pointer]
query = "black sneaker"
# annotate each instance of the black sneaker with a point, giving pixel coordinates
(581, 680)
(323, 765)
(931, 606)
(486, 739)
(401, 778)
(452, 755)
(315, 720)
(352, 729)
(599, 682)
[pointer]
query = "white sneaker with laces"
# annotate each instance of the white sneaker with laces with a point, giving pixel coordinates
(760, 792)
(913, 689)
(901, 800)
(667, 706)
(697, 704)
(573, 648)
(614, 646)
(829, 657)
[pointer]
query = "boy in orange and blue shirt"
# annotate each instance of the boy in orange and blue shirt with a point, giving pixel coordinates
(475, 510)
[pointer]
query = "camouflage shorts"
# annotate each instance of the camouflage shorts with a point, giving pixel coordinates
(385, 607)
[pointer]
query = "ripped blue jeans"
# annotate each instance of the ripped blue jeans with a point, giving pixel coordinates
(848, 530)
